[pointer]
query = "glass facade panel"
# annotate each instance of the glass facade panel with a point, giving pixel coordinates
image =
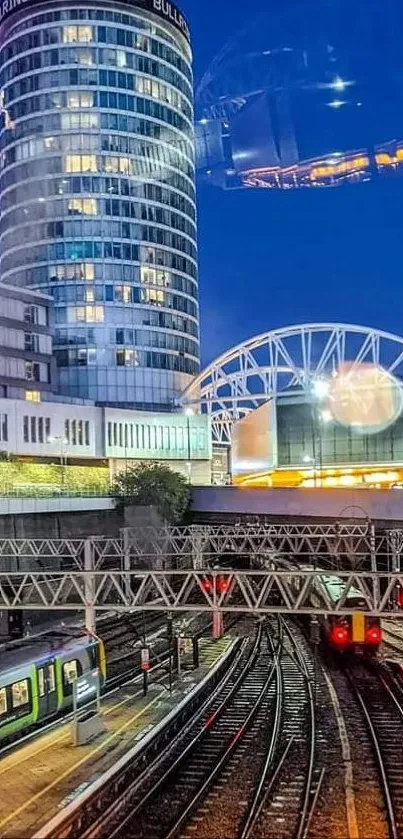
(97, 187)
(301, 434)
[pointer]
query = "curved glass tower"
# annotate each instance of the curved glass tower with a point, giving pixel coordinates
(97, 194)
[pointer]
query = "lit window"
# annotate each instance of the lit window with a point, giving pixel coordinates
(89, 295)
(80, 99)
(88, 272)
(83, 206)
(114, 165)
(70, 672)
(126, 358)
(77, 34)
(3, 702)
(80, 120)
(163, 278)
(121, 59)
(50, 143)
(144, 85)
(85, 57)
(153, 295)
(87, 314)
(147, 275)
(20, 693)
(123, 293)
(81, 163)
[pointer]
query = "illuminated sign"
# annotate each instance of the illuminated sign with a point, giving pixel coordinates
(145, 658)
(86, 687)
(162, 8)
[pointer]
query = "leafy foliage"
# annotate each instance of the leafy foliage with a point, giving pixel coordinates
(154, 484)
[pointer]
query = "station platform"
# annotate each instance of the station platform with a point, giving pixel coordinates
(43, 776)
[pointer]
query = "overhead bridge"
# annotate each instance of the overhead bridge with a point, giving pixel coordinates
(224, 504)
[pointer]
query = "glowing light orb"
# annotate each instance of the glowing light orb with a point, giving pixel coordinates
(365, 397)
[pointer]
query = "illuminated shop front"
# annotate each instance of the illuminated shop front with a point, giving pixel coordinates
(347, 438)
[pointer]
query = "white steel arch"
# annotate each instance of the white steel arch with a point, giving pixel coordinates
(291, 359)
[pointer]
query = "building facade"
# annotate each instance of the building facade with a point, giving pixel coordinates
(294, 441)
(82, 435)
(26, 327)
(97, 191)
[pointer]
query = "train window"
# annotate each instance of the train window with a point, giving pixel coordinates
(20, 693)
(41, 682)
(51, 678)
(46, 679)
(71, 671)
(92, 653)
(3, 701)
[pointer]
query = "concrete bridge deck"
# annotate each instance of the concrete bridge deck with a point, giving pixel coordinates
(223, 504)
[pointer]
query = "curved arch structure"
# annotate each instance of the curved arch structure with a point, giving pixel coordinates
(294, 359)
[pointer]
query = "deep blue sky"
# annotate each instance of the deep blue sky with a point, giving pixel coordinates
(268, 259)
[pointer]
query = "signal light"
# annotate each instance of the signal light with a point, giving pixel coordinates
(206, 584)
(222, 584)
(374, 635)
(340, 635)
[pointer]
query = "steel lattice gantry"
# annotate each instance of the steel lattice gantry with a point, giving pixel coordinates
(166, 569)
(197, 546)
(253, 592)
(288, 360)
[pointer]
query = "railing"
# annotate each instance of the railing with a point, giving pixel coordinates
(55, 492)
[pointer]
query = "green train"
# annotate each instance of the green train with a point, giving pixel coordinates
(36, 678)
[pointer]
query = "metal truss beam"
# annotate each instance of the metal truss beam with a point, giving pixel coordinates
(333, 544)
(251, 592)
(199, 546)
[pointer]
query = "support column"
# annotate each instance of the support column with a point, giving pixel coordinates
(89, 586)
(126, 563)
(374, 568)
(218, 626)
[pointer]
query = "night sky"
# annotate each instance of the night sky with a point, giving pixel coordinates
(269, 259)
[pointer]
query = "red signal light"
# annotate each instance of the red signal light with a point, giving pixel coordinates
(206, 584)
(374, 635)
(339, 636)
(222, 584)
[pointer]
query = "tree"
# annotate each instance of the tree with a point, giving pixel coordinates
(154, 485)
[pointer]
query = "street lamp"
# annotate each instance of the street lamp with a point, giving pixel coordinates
(63, 454)
(189, 413)
(308, 459)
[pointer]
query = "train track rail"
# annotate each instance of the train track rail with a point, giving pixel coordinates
(382, 708)
(156, 802)
(250, 756)
(286, 792)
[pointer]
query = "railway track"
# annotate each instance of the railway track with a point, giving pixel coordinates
(286, 792)
(382, 707)
(248, 758)
(157, 802)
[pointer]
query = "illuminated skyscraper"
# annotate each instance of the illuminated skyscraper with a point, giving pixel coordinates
(97, 190)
